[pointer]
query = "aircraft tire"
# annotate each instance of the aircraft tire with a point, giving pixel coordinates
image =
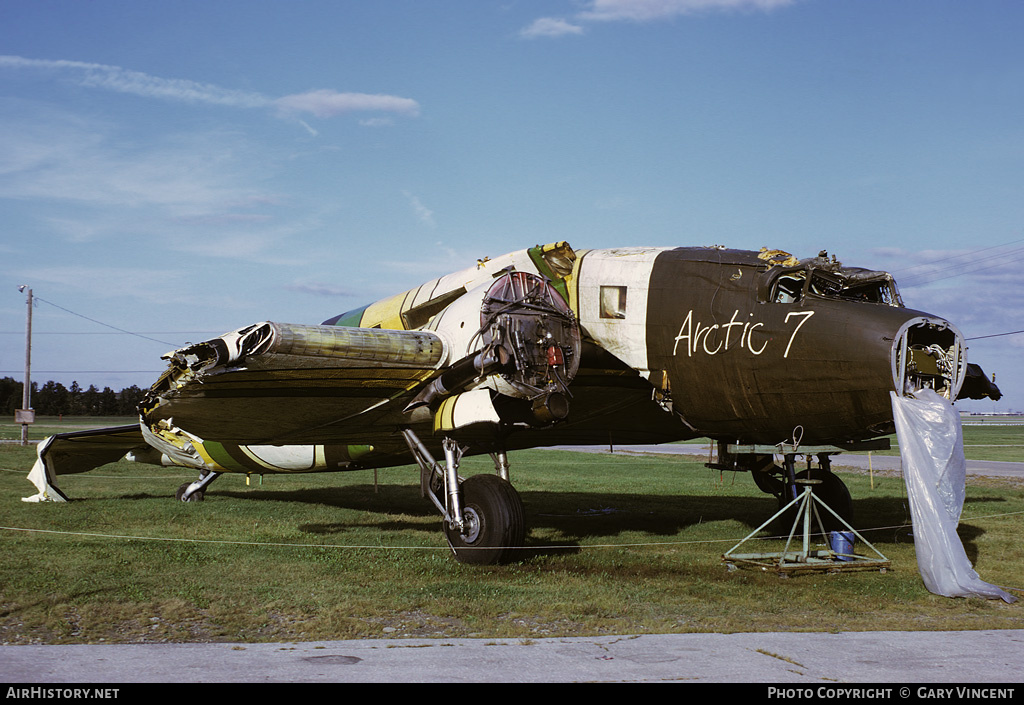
(495, 518)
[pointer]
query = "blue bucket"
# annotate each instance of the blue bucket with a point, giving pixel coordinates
(842, 544)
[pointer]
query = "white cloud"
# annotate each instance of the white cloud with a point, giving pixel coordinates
(121, 80)
(640, 11)
(423, 214)
(329, 103)
(377, 122)
(65, 160)
(550, 27)
(194, 194)
(320, 103)
(648, 10)
(961, 285)
(309, 129)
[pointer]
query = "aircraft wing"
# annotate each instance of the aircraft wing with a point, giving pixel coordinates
(265, 384)
(277, 383)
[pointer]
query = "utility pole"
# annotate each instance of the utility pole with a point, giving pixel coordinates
(25, 415)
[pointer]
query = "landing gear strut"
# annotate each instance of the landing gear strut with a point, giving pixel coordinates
(195, 491)
(483, 514)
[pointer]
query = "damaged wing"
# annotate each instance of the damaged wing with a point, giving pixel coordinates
(261, 385)
(277, 383)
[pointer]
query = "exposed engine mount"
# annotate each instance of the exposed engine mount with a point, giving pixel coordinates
(522, 341)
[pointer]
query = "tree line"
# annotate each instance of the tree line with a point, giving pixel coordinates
(54, 399)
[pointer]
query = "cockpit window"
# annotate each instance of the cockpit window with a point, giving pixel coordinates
(825, 285)
(875, 292)
(860, 285)
(789, 288)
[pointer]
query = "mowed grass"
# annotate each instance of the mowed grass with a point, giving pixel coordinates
(615, 544)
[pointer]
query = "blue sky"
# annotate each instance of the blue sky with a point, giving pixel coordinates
(181, 169)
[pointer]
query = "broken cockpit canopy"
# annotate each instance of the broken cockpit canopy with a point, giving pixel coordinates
(928, 352)
(787, 281)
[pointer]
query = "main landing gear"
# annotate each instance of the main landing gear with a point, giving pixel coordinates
(483, 515)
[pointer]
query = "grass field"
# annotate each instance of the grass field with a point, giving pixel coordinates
(616, 544)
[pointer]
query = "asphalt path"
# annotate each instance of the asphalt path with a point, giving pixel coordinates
(986, 468)
(819, 662)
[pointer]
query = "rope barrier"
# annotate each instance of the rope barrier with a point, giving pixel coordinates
(128, 537)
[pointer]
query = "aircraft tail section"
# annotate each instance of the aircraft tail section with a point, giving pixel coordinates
(79, 451)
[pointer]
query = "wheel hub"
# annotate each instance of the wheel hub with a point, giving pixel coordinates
(471, 528)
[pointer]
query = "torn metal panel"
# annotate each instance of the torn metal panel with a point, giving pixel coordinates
(77, 452)
(788, 280)
(175, 446)
(777, 258)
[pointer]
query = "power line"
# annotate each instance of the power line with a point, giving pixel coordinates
(966, 267)
(103, 332)
(995, 335)
(90, 372)
(122, 330)
(960, 256)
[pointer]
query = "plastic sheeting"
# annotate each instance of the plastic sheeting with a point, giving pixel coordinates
(935, 472)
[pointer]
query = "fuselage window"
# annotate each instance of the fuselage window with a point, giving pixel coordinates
(613, 302)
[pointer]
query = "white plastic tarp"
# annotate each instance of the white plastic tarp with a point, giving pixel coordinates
(935, 472)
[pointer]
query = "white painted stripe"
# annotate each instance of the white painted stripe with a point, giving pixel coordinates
(629, 267)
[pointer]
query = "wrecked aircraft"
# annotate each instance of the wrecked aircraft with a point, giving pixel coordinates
(766, 353)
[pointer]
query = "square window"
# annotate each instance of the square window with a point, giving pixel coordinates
(613, 302)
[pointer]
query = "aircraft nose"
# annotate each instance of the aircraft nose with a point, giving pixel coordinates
(929, 353)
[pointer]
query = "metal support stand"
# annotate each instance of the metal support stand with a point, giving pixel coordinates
(787, 562)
